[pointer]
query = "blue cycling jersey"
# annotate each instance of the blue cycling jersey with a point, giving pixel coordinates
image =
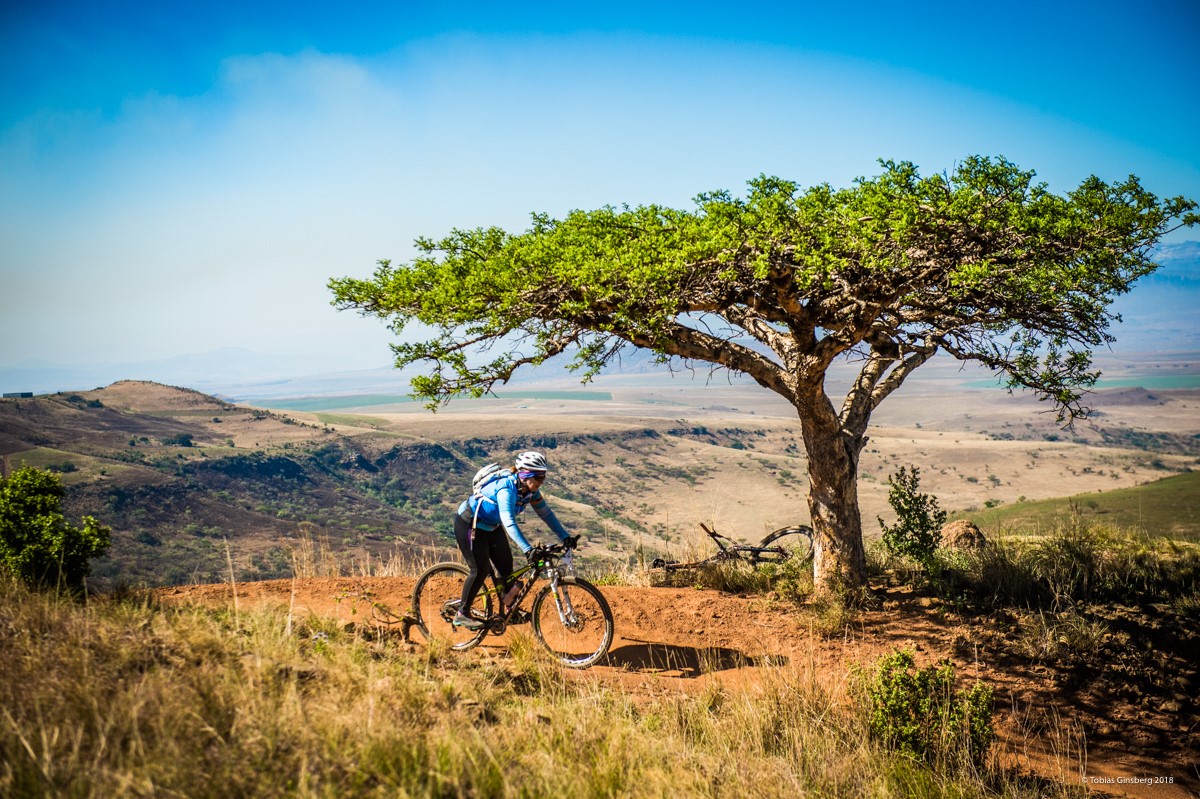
(501, 501)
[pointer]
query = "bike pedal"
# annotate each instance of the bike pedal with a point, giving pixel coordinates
(450, 609)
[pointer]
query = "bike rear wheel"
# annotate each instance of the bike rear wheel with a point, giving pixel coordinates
(574, 622)
(436, 600)
(786, 543)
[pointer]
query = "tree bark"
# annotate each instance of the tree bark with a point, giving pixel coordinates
(839, 559)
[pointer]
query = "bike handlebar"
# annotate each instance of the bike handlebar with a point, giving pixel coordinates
(714, 534)
(549, 549)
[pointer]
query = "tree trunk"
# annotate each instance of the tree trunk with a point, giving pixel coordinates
(839, 560)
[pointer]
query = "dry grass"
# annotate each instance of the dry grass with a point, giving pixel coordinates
(312, 555)
(124, 698)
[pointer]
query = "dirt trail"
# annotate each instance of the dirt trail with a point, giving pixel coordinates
(682, 639)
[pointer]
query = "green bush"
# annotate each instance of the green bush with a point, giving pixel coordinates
(36, 543)
(790, 580)
(917, 711)
(919, 520)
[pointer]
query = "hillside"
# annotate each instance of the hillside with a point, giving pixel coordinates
(1170, 507)
(188, 482)
(199, 490)
(177, 474)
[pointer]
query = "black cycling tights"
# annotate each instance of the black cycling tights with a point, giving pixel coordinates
(489, 548)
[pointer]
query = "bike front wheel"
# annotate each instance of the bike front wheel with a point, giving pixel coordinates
(785, 544)
(436, 600)
(574, 622)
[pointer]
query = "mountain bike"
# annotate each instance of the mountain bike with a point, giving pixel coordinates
(569, 615)
(783, 544)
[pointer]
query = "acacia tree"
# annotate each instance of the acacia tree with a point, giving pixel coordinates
(983, 264)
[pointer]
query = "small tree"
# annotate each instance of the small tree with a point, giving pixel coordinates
(37, 544)
(919, 520)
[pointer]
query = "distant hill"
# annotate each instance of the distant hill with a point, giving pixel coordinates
(187, 480)
(217, 371)
(1167, 507)
(177, 474)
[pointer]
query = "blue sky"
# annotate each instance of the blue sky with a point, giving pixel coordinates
(175, 178)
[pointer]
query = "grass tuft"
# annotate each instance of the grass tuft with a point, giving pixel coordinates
(1078, 562)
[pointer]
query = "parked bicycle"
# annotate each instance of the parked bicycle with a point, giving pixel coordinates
(784, 544)
(569, 615)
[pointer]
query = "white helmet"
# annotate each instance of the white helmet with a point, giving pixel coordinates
(531, 462)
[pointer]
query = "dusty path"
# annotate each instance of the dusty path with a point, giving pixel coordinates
(682, 639)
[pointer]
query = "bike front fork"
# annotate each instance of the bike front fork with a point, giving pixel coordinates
(562, 603)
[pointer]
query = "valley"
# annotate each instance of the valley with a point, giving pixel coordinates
(190, 482)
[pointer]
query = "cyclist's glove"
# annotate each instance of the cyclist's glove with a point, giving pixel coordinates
(571, 541)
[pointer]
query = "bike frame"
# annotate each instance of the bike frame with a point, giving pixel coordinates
(578, 637)
(501, 618)
(725, 551)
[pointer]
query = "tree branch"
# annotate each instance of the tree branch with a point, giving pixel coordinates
(686, 342)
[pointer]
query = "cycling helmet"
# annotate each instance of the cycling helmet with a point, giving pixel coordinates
(531, 462)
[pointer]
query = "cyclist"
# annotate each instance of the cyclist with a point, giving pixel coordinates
(487, 515)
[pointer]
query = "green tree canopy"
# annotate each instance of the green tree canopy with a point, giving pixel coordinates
(37, 544)
(983, 263)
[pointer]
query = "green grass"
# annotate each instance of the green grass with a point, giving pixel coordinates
(42, 457)
(1078, 562)
(318, 404)
(351, 420)
(1169, 508)
(127, 698)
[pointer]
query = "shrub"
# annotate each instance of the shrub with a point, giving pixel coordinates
(1091, 563)
(917, 711)
(790, 580)
(996, 575)
(919, 520)
(36, 543)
